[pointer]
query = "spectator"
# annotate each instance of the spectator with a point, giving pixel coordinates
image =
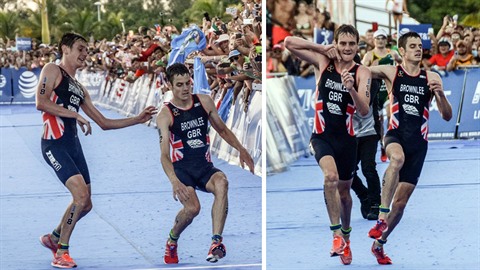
(440, 60)
(461, 57)
(303, 21)
(397, 7)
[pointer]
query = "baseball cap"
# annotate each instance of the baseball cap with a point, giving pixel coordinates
(233, 53)
(380, 32)
(444, 41)
(222, 38)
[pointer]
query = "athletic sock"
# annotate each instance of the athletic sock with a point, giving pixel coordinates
(55, 234)
(217, 238)
(384, 209)
(346, 232)
(173, 237)
(335, 227)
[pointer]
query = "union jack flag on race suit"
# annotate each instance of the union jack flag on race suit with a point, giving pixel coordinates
(319, 123)
(350, 112)
(425, 124)
(53, 126)
(176, 151)
(186, 43)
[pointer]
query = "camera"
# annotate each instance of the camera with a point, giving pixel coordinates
(257, 6)
(238, 35)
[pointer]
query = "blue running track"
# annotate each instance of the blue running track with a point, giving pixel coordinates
(439, 229)
(133, 208)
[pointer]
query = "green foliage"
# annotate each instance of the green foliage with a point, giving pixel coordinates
(434, 11)
(81, 16)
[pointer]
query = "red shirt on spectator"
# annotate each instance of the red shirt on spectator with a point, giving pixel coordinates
(145, 54)
(439, 60)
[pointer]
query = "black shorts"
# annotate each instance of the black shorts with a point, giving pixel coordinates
(414, 150)
(195, 175)
(66, 157)
(342, 148)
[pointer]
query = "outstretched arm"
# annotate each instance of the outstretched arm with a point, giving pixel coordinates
(164, 118)
(435, 84)
(225, 132)
(106, 123)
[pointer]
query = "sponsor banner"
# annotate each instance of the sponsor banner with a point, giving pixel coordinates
(6, 87)
(92, 81)
(23, 44)
(322, 36)
(306, 93)
(439, 128)
(285, 106)
(278, 150)
(470, 118)
(253, 130)
(421, 29)
(287, 124)
(25, 85)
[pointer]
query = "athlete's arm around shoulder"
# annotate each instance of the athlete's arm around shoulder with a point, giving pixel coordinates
(362, 96)
(384, 72)
(436, 86)
(311, 52)
(106, 123)
(367, 59)
(50, 77)
(218, 124)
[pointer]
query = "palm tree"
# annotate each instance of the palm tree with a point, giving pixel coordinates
(9, 24)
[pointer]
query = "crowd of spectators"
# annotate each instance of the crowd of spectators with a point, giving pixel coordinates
(232, 56)
(454, 46)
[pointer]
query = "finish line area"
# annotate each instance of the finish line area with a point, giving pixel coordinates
(433, 233)
(133, 206)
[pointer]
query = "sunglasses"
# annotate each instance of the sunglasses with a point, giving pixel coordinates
(381, 37)
(235, 58)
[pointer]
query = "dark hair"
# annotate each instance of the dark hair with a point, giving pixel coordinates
(177, 69)
(402, 41)
(68, 39)
(346, 29)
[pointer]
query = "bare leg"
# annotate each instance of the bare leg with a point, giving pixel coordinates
(191, 208)
(390, 179)
(346, 205)
(78, 208)
(402, 195)
(332, 196)
(218, 185)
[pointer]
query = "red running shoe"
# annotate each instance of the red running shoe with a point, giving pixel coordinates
(378, 229)
(338, 246)
(383, 157)
(63, 261)
(46, 241)
(216, 252)
(346, 257)
(171, 256)
(381, 256)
